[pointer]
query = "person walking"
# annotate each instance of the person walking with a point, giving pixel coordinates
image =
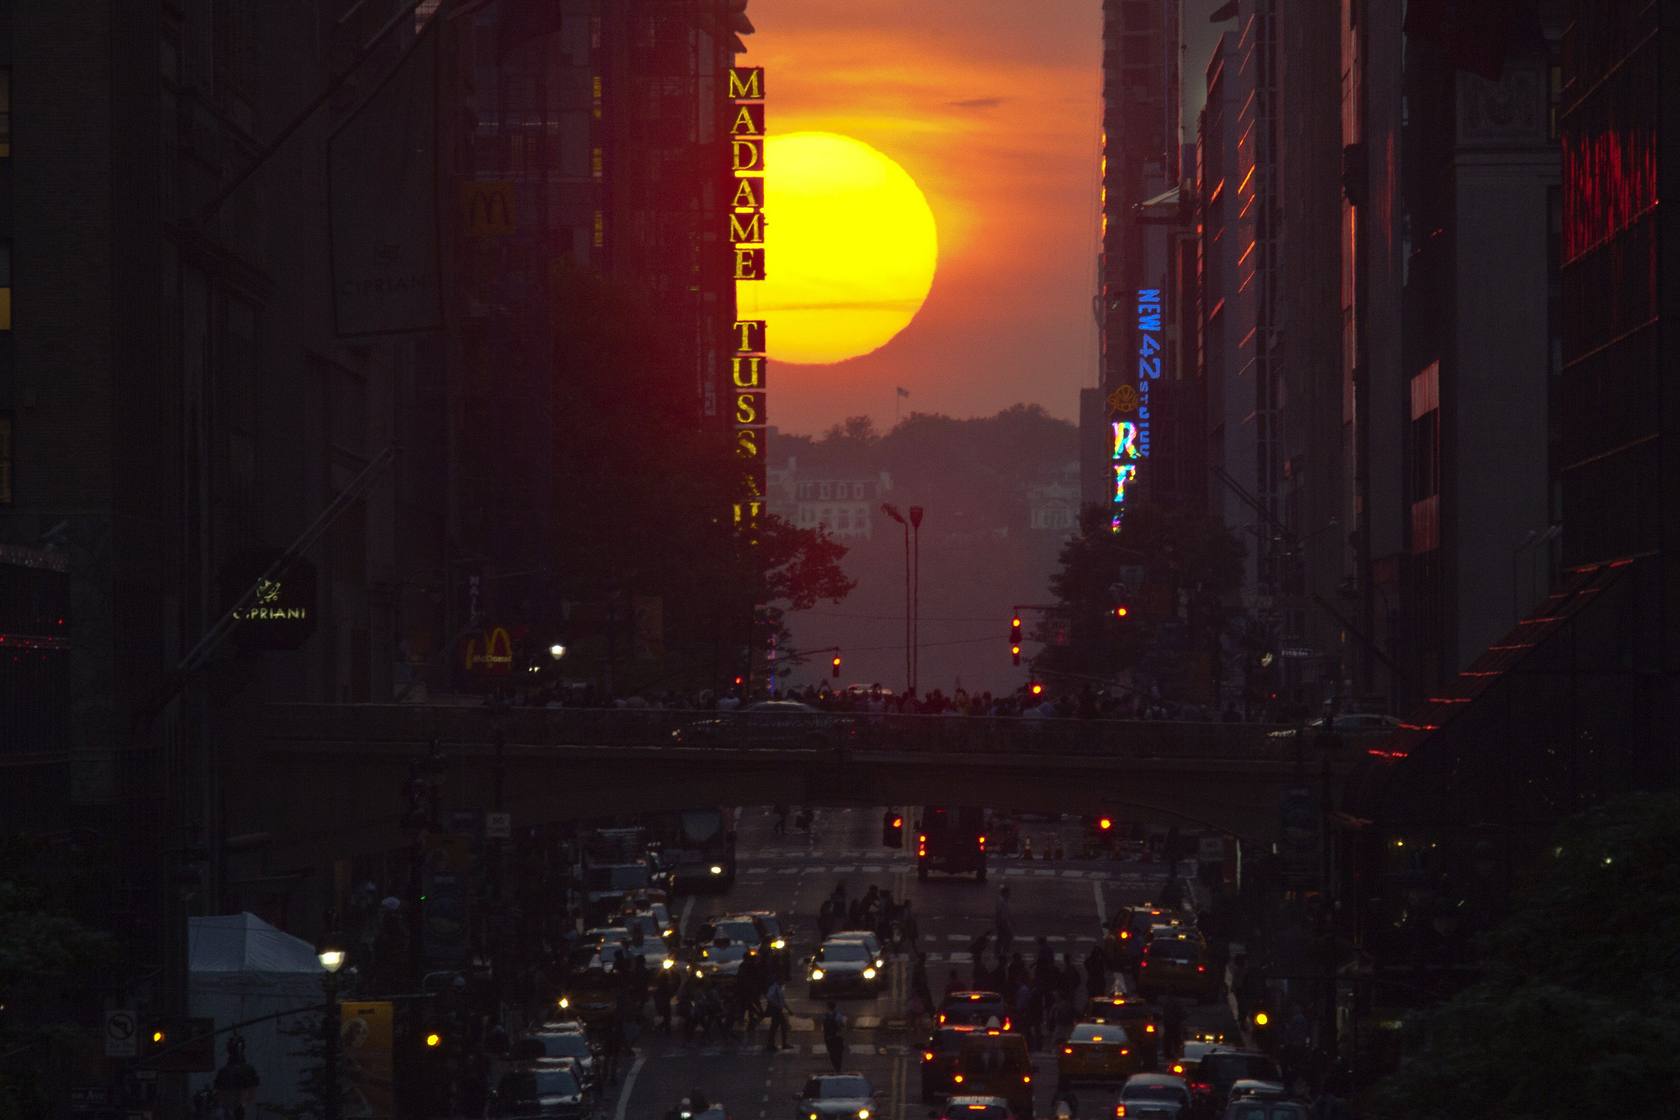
(834, 1035)
(1003, 924)
(776, 1009)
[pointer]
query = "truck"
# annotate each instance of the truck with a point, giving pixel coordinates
(698, 853)
(952, 840)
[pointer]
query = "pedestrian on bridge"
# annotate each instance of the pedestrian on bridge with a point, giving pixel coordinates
(834, 1035)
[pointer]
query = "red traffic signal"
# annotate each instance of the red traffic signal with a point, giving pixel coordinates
(835, 671)
(1015, 654)
(1122, 611)
(1015, 630)
(892, 830)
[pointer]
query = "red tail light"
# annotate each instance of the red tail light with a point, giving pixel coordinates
(1143, 964)
(1067, 1049)
(1006, 1024)
(1201, 968)
(927, 1055)
(1119, 1110)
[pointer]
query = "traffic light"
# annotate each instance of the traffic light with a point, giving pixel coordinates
(1015, 630)
(1122, 611)
(179, 1045)
(1036, 688)
(835, 671)
(1105, 824)
(892, 829)
(1015, 654)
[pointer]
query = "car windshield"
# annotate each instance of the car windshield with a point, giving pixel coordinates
(735, 931)
(625, 877)
(1268, 1110)
(565, 1045)
(836, 1088)
(524, 1085)
(770, 925)
(1097, 1032)
(842, 951)
(1229, 1068)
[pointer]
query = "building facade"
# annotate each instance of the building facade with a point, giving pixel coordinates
(846, 506)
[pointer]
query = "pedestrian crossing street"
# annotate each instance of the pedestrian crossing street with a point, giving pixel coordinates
(754, 1047)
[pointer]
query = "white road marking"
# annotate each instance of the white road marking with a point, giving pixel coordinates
(630, 1079)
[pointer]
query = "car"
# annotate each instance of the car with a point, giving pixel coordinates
(974, 1009)
(1153, 1096)
(1220, 1068)
(1245, 1088)
(977, 1108)
(608, 886)
(836, 1096)
(1176, 966)
(844, 968)
(544, 1048)
(722, 944)
(1130, 930)
(780, 724)
(534, 1091)
(995, 1063)
(1095, 1052)
(1192, 1052)
(590, 994)
(776, 937)
(939, 1061)
(1140, 1019)
(1265, 1108)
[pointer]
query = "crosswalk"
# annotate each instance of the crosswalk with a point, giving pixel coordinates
(762, 870)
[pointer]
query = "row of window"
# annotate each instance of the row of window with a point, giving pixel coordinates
(836, 490)
(843, 519)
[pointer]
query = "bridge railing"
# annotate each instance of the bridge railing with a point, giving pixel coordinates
(859, 731)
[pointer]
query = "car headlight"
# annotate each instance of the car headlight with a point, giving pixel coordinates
(778, 944)
(880, 964)
(816, 974)
(869, 974)
(863, 1114)
(666, 932)
(564, 1002)
(667, 964)
(716, 870)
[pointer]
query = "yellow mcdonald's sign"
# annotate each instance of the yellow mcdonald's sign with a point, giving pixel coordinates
(494, 656)
(487, 208)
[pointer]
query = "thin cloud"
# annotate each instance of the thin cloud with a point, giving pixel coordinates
(977, 103)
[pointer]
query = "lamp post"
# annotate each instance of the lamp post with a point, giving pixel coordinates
(331, 955)
(916, 599)
(892, 511)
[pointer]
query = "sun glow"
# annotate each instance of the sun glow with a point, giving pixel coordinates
(851, 249)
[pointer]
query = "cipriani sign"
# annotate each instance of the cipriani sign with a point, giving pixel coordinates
(1129, 406)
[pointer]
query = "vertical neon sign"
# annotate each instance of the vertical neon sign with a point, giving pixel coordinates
(748, 367)
(1130, 442)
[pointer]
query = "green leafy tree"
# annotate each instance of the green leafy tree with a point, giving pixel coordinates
(1577, 1012)
(1175, 550)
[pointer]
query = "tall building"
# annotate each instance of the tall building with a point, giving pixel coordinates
(1134, 304)
(1480, 332)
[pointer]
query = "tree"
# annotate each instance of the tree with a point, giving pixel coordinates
(1576, 1012)
(1176, 551)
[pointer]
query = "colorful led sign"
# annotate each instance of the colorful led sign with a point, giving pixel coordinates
(1130, 440)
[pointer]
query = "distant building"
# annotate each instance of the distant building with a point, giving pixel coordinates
(1053, 507)
(846, 506)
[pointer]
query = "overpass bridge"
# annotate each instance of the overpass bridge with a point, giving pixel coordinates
(328, 778)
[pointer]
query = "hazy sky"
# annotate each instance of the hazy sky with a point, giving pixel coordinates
(993, 107)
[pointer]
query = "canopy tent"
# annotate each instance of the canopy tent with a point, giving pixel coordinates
(239, 968)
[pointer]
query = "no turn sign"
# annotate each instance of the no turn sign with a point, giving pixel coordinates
(121, 1033)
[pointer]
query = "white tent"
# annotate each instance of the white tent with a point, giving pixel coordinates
(240, 968)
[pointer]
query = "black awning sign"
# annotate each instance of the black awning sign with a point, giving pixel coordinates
(280, 612)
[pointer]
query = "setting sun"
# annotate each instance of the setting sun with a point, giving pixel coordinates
(850, 248)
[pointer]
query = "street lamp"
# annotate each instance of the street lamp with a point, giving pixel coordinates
(557, 651)
(916, 600)
(909, 671)
(331, 954)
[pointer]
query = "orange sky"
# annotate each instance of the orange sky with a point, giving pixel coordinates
(992, 106)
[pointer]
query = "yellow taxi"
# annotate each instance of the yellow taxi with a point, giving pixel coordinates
(1096, 1052)
(1137, 1017)
(1177, 966)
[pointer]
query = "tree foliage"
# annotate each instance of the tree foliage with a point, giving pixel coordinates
(1176, 550)
(1578, 1010)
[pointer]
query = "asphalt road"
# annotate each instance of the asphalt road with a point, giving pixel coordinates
(1065, 902)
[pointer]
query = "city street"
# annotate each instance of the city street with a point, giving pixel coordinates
(1065, 902)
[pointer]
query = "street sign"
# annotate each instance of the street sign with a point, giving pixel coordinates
(498, 826)
(121, 1034)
